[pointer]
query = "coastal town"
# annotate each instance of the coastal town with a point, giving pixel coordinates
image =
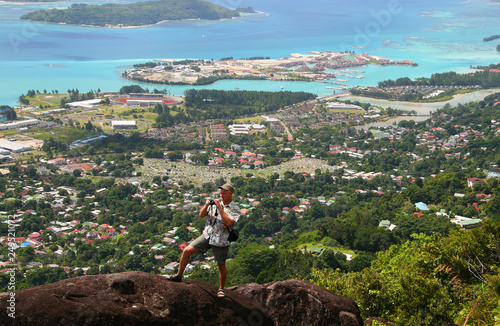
(328, 67)
(113, 182)
(83, 217)
(66, 202)
(355, 146)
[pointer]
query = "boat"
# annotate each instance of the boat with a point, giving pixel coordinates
(330, 87)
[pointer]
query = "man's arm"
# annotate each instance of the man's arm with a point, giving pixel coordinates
(226, 219)
(204, 209)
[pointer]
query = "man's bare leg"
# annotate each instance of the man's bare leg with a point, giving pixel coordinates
(186, 254)
(222, 275)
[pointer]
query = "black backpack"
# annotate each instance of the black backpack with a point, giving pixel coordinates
(233, 234)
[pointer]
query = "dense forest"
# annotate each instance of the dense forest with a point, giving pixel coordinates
(421, 89)
(268, 100)
(132, 14)
(485, 79)
(216, 104)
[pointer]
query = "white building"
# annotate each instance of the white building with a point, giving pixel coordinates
(123, 124)
(86, 105)
(144, 102)
(269, 119)
(241, 129)
(13, 147)
(18, 124)
(342, 106)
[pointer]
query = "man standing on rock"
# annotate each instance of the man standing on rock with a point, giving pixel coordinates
(222, 214)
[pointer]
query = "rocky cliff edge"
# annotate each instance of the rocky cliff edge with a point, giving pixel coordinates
(136, 298)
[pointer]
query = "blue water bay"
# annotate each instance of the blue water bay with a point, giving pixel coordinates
(438, 35)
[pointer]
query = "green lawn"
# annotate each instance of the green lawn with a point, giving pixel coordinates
(256, 119)
(64, 134)
(49, 101)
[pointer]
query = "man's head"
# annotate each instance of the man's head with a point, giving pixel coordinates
(227, 186)
(226, 192)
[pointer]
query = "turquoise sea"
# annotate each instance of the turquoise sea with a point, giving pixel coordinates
(439, 35)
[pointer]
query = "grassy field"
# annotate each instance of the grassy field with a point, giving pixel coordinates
(306, 241)
(64, 134)
(49, 101)
(257, 119)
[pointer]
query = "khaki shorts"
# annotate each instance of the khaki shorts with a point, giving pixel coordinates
(220, 253)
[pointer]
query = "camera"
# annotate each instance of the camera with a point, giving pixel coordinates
(212, 202)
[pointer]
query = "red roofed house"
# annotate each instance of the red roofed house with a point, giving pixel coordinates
(104, 226)
(34, 235)
(472, 181)
(248, 155)
(58, 161)
(86, 167)
(485, 196)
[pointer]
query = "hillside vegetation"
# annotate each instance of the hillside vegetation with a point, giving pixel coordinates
(403, 219)
(134, 14)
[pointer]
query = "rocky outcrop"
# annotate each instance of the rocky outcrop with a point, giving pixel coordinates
(296, 303)
(136, 298)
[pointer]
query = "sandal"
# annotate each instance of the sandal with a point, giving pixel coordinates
(221, 293)
(174, 278)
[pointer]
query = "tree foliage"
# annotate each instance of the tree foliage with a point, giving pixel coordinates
(133, 14)
(431, 280)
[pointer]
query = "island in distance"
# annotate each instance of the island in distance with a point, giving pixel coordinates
(135, 14)
(313, 66)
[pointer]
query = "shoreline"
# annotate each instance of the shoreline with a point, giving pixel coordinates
(425, 108)
(139, 26)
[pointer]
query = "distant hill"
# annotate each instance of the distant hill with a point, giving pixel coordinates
(134, 14)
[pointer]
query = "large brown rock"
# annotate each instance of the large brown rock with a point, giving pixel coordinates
(136, 298)
(295, 303)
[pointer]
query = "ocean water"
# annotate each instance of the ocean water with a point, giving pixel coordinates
(438, 35)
